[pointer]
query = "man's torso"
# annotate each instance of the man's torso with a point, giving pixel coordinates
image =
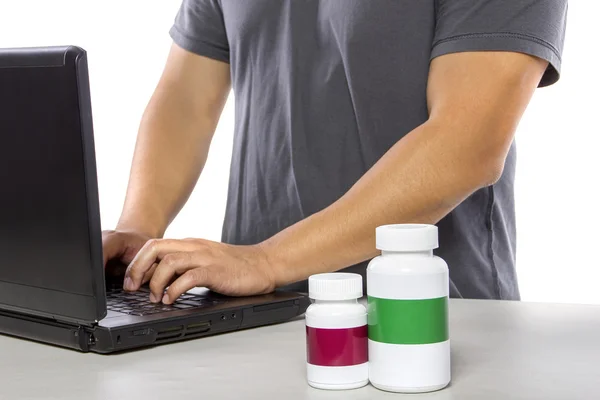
(323, 89)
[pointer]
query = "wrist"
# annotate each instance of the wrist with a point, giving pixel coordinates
(140, 225)
(275, 265)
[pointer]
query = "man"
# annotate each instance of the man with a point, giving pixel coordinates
(350, 114)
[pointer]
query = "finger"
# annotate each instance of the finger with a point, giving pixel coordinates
(171, 265)
(152, 251)
(148, 275)
(112, 246)
(192, 278)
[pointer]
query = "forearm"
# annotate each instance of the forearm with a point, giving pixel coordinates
(173, 140)
(420, 180)
(171, 150)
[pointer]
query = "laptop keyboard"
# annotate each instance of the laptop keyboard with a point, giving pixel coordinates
(138, 303)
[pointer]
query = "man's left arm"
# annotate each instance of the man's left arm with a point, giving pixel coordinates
(475, 99)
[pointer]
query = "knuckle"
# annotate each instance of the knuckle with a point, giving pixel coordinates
(169, 260)
(133, 273)
(152, 244)
(175, 260)
(197, 275)
(185, 258)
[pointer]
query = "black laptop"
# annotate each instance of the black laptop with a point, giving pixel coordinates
(52, 283)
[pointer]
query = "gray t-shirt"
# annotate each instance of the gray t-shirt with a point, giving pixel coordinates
(323, 88)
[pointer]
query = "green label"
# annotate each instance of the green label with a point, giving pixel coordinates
(408, 321)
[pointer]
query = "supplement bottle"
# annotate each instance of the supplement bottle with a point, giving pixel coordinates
(407, 289)
(336, 332)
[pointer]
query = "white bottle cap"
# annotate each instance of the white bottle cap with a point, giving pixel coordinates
(407, 237)
(335, 286)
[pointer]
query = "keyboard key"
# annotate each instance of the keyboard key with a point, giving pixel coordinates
(182, 306)
(194, 303)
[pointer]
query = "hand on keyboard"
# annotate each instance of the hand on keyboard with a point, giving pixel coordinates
(184, 264)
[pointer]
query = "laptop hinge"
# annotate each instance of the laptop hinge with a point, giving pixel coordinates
(46, 317)
(84, 338)
(45, 330)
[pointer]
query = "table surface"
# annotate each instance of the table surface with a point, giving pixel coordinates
(500, 350)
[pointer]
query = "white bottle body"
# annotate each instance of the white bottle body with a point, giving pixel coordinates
(334, 318)
(409, 346)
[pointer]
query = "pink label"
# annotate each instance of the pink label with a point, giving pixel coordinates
(337, 347)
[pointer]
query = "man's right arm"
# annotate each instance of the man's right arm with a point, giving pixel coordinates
(172, 145)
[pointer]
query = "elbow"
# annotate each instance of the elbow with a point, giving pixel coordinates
(479, 151)
(486, 156)
(488, 169)
(492, 173)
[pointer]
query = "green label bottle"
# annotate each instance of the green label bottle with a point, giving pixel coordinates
(407, 288)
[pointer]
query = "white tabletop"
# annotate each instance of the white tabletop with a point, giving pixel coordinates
(500, 350)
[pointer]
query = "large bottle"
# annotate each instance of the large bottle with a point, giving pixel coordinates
(407, 289)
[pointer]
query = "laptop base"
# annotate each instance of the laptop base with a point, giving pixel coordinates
(110, 336)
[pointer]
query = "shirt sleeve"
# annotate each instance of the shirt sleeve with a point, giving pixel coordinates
(534, 27)
(199, 27)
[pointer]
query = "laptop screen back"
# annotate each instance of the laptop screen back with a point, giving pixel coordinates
(50, 249)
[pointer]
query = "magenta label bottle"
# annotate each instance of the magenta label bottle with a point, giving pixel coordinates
(336, 333)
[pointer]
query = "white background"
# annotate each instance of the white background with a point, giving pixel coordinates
(558, 139)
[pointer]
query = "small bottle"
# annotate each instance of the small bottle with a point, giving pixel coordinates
(407, 288)
(336, 332)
